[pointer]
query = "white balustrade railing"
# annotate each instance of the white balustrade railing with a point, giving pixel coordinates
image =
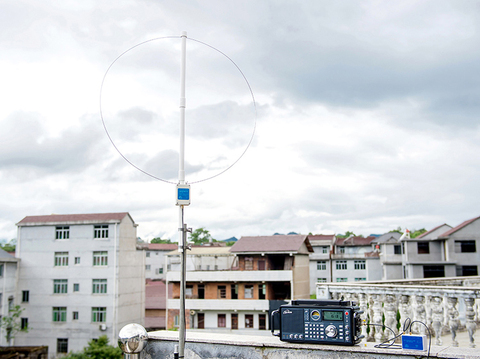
(446, 305)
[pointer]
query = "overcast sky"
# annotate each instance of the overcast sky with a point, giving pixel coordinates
(366, 114)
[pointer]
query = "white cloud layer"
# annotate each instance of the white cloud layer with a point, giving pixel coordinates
(367, 114)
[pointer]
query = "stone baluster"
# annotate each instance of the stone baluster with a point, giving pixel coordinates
(362, 303)
(453, 321)
(390, 310)
(437, 318)
(405, 310)
(371, 334)
(470, 316)
(377, 316)
(420, 315)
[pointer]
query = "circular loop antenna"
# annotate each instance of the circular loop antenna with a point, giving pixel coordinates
(205, 44)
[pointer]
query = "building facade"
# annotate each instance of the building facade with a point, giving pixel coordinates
(8, 276)
(80, 277)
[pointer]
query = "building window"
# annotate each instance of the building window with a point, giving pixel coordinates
(221, 320)
(262, 322)
(262, 291)
(248, 292)
(76, 287)
(1, 270)
(100, 231)
(248, 263)
(341, 249)
(75, 315)
(60, 286)
(222, 292)
(397, 249)
(423, 248)
(148, 267)
(464, 271)
(465, 247)
(201, 320)
(321, 265)
(189, 291)
(341, 265)
(322, 280)
(201, 291)
(99, 314)
(160, 270)
(62, 232)
(248, 320)
(261, 265)
(100, 258)
(360, 279)
(61, 259)
(99, 286)
(77, 260)
(342, 279)
(62, 345)
(433, 271)
(324, 250)
(176, 321)
(359, 265)
(24, 323)
(25, 296)
(234, 320)
(59, 314)
(148, 254)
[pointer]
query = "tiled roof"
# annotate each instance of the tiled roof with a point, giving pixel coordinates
(430, 231)
(162, 246)
(204, 251)
(73, 218)
(460, 226)
(321, 237)
(355, 241)
(268, 244)
(388, 237)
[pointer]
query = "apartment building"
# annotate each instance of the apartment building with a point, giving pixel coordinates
(389, 247)
(80, 277)
(155, 267)
(320, 264)
(234, 288)
(8, 275)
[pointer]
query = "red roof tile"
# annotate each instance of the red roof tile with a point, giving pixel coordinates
(321, 237)
(354, 241)
(276, 243)
(162, 246)
(460, 226)
(73, 218)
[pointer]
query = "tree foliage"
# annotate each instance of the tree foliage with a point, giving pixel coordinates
(159, 240)
(347, 234)
(200, 236)
(10, 246)
(11, 323)
(416, 232)
(98, 349)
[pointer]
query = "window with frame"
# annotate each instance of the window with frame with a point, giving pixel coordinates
(99, 314)
(341, 249)
(465, 247)
(321, 265)
(62, 232)
(59, 314)
(25, 296)
(262, 291)
(23, 323)
(359, 265)
(148, 267)
(74, 315)
(60, 286)
(248, 320)
(100, 231)
(77, 260)
(464, 271)
(262, 321)
(147, 254)
(397, 249)
(62, 345)
(100, 258)
(360, 279)
(423, 247)
(342, 279)
(324, 250)
(248, 291)
(61, 259)
(341, 265)
(322, 280)
(176, 321)
(1, 270)
(221, 320)
(222, 292)
(433, 271)
(99, 286)
(248, 263)
(76, 287)
(234, 291)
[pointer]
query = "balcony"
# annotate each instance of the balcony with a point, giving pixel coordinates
(234, 276)
(220, 304)
(447, 306)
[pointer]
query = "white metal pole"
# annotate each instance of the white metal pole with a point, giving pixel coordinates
(181, 180)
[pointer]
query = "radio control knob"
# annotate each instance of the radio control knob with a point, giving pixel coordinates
(331, 331)
(291, 336)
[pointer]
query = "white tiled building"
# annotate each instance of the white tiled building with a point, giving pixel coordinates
(80, 277)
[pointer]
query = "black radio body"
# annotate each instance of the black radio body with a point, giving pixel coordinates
(318, 321)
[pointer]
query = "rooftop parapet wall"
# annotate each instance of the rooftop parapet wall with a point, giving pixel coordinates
(161, 344)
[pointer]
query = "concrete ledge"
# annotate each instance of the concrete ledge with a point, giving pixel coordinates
(203, 345)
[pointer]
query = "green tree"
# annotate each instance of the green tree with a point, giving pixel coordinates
(416, 232)
(11, 323)
(159, 240)
(98, 349)
(10, 246)
(346, 235)
(200, 236)
(398, 230)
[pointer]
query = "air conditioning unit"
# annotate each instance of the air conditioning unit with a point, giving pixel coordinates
(102, 327)
(192, 312)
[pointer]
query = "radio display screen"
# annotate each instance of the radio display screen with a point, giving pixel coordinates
(332, 315)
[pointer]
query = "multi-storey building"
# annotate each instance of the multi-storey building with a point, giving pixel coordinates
(155, 267)
(354, 260)
(80, 277)
(320, 263)
(247, 281)
(389, 247)
(8, 275)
